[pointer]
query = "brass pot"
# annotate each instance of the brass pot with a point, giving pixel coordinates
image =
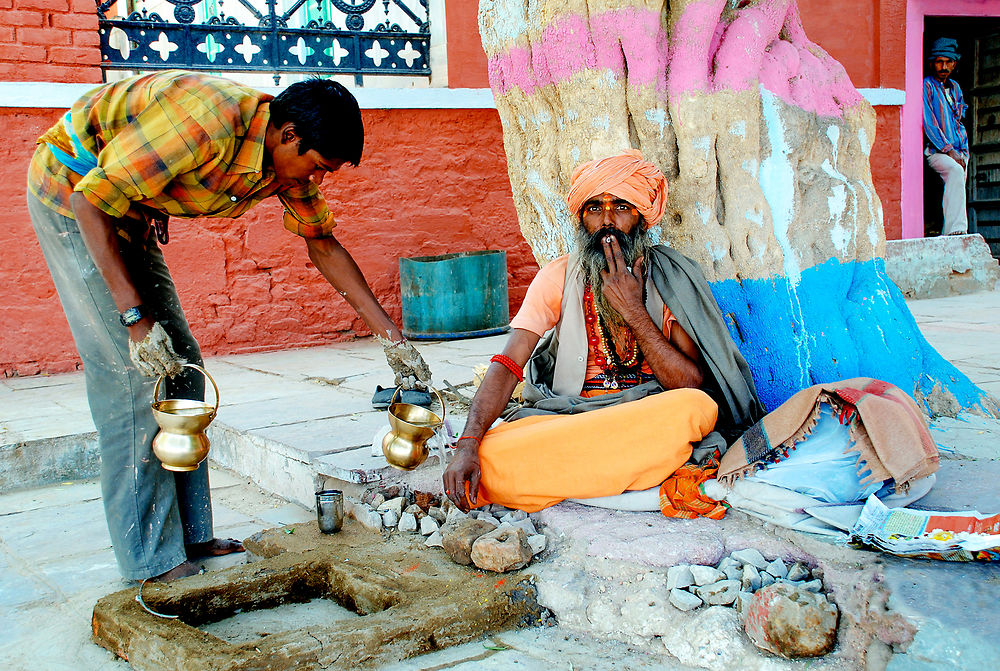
(411, 426)
(181, 443)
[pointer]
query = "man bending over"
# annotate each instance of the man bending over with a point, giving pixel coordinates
(632, 372)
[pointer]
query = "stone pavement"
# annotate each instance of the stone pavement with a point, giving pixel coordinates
(294, 419)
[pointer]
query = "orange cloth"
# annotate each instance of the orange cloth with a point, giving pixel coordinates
(628, 176)
(542, 307)
(538, 461)
(681, 495)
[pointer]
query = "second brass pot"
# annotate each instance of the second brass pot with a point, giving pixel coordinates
(411, 426)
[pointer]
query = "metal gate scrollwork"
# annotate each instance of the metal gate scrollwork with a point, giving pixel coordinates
(305, 37)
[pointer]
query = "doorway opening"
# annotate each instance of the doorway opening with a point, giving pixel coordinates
(978, 75)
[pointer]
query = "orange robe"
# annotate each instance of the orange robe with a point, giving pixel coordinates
(538, 461)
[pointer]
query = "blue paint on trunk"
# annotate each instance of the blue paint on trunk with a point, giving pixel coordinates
(841, 320)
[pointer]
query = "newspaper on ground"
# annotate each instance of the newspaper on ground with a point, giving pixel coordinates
(929, 534)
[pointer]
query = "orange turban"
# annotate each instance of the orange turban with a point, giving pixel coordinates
(628, 176)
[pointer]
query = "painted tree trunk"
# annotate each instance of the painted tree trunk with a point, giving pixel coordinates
(765, 143)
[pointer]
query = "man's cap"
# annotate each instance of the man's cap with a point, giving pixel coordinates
(944, 47)
(627, 176)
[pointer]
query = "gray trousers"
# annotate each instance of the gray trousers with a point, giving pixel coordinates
(956, 218)
(152, 512)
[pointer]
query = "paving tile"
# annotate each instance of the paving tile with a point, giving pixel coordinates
(73, 528)
(284, 515)
(291, 409)
(63, 494)
(323, 436)
(220, 478)
(74, 380)
(19, 587)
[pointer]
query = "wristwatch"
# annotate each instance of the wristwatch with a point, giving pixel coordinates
(132, 316)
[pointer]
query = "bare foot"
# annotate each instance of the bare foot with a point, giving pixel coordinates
(213, 548)
(180, 571)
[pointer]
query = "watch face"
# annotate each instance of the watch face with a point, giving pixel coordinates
(131, 316)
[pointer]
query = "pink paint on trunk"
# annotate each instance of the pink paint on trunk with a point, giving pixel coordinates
(693, 43)
(702, 54)
(570, 45)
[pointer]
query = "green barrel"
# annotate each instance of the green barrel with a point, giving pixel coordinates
(452, 296)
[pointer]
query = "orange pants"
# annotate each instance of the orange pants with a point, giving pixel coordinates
(538, 461)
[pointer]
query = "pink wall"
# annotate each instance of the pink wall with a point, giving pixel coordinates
(912, 189)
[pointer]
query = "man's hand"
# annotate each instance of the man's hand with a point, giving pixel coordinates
(463, 470)
(154, 355)
(961, 160)
(410, 368)
(622, 285)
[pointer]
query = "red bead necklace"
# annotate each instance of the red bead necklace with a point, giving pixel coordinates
(606, 354)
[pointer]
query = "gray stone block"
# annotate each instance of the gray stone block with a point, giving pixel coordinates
(684, 600)
(750, 556)
(721, 593)
(706, 575)
(679, 576)
(777, 568)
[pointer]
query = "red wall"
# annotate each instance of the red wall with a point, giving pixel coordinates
(466, 58)
(431, 181)
(49, 40)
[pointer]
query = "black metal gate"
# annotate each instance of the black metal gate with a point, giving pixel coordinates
(267, 39)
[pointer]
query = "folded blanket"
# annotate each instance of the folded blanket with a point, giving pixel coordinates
(886, 428)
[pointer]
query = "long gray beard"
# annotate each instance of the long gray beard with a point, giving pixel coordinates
(592, 263)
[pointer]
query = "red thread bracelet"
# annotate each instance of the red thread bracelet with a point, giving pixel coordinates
(509, 364)
(461, 438)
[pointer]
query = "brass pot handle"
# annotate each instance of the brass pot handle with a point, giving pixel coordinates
(156, 387)
(444, 410)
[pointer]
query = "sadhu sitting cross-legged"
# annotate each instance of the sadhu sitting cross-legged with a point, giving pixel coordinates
(635, 371)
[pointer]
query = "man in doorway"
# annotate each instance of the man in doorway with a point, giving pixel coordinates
(101, 185)
(946, 141)
(635, 368)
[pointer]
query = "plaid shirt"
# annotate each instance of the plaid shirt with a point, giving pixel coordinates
(184, 144)
(943, 127)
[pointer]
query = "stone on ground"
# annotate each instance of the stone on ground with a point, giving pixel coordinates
(706, 575)
(437, 514)
(504, 549)
(408, 522)
(679, 576)
(751, 556)
(434, 540)
(721, 593)
(797, 572)
(395, 505)
(537, 543)
(428, 526)
(457, 538)
(791, 622)
(684, 600)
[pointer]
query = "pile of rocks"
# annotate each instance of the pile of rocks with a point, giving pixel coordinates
(735, 579)
(493, 543)
(769, 595)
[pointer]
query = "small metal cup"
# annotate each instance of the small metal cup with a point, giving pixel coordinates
(330, 510)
